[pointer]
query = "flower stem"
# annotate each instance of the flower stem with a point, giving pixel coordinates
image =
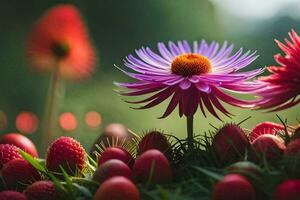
(190, 134)
(51, 110)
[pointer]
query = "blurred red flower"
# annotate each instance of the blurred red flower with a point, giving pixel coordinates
(59, 40)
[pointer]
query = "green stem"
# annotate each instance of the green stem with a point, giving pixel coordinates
(190, 134)
(51, 111)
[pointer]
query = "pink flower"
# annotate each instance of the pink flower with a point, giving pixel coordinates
(283, 85)
(193, 77)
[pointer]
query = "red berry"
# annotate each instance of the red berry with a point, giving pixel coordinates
(154, 140)
(230, 144)
(20, 141)
(267, 146)
(293, 148)
(41, 190)
(265, 128)
(245, 168)
(12, 195)
(233, 187)
(152, 166)
(288, 190)
(65, 152)
(112, 132)
(117, 188)
(292, 158)
(112, 168)
(8, 152)
(19, 172)
(116, 130)
(118, 153)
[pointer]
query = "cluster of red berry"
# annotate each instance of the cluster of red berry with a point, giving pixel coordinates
(269, 143)
(125, 162)
(117, 169)
(17, 173)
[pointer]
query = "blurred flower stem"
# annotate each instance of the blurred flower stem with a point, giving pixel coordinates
(190, 134)
(54, 97)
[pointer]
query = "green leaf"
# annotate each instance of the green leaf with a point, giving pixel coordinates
(164, 194)
(92, 161)
(83, 190)
(33, 161)
(68, 180)
(209, 173)
(85, 180)
(202, 188)
(56, 182)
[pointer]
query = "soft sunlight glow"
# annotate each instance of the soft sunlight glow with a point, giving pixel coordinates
(68, 121)
(260, 9)
(93, 119)
(27, 122)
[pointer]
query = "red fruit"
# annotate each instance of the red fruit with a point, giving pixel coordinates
(65, 152)
(154, 140)
(41, 190)
(8, 152)
(116, 130)
(293, 148)
(112, 168)
(288, 190)
(267, 146)
(112, 132)
(19, 172)
(20, 141)
(116, 153)
(117, 188)
(230, 144)
(233, 187)
(265, 128)
(152, 166)
(12, 195)
(245, 168)
(292, 158)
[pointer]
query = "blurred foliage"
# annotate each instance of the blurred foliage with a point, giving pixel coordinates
(117, 28)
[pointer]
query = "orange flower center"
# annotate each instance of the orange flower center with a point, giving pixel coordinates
(60, 49)
(191, 64)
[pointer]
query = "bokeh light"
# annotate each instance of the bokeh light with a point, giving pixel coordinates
(68, 121)
(3, 120)
(27, 122)
(93, 119)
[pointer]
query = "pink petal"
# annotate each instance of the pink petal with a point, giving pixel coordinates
(185, 84)
(203, 87)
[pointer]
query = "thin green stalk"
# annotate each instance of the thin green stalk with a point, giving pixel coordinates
(190, 132)
(51, 111)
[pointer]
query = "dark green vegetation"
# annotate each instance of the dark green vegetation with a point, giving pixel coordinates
(195, 172)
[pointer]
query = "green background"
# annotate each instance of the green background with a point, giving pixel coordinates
(117, 27)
